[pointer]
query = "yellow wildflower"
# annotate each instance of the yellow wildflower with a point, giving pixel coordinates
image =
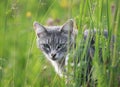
(64, 3)
(28, 14)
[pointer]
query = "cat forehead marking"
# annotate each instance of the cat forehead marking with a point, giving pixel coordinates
(53, 35)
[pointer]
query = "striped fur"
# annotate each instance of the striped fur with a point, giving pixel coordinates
(54, 41)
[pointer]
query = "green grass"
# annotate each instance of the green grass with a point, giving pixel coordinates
(23, 65)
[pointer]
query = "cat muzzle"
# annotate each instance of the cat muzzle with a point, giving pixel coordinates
(53, 56)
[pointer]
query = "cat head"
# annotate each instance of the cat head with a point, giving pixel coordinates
(54, 40)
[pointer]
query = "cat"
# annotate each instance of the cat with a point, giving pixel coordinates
(53, 41)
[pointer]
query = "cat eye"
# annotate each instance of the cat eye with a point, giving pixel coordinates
(60, 46)
(46, 46)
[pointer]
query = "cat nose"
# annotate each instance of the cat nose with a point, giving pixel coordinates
(53, 55)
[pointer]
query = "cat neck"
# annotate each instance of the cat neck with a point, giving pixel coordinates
(59, 66)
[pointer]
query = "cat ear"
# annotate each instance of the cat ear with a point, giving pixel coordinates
(39, 29)
(67, 27)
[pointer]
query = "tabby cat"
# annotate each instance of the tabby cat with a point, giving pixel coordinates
(53, 41)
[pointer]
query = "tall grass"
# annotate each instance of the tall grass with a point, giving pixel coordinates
(101, 15)
(23, 65)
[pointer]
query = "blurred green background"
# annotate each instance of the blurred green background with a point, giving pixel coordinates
(21, 63)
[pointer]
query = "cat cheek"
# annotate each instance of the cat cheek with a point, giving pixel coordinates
(45, 50)
(59, 56)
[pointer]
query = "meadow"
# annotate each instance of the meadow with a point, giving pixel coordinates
(22, 64)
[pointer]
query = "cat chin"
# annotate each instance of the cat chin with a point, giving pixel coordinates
(56, 59)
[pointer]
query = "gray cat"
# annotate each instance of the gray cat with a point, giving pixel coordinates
(54, 42)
